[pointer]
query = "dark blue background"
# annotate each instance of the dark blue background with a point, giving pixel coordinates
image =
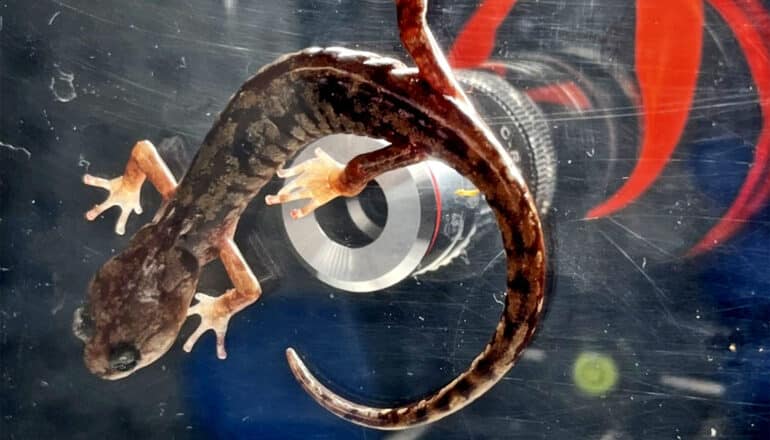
(156, 70)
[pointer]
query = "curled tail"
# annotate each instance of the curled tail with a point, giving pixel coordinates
(523, 304)
(485, 163)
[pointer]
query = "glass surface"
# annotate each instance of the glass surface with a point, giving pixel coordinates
(639, 339)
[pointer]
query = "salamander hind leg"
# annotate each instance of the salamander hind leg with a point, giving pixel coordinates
(124, 191)
(215, 312)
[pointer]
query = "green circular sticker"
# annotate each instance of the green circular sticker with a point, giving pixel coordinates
(594, 373)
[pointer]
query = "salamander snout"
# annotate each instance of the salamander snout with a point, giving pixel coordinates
(124, 357)
(82, 324)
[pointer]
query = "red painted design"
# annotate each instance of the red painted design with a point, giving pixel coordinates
(755, 190)
(567, 94)
(475, 43)
(668, 55)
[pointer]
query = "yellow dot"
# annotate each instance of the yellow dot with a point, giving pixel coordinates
(594, 373)
(467, 192)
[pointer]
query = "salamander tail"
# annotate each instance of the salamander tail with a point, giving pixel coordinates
(513, 332)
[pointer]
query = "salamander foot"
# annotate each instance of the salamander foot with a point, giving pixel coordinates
(215, 313)
(124, 193)
(317, 179)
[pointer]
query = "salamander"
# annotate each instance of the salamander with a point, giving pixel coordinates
(138, 300)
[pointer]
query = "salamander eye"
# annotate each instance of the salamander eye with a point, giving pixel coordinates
(124, 357)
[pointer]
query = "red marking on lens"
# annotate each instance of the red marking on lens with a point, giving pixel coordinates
(437, 194)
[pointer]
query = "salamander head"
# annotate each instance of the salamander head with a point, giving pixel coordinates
(136, 305)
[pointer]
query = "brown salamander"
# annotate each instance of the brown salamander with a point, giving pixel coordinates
(138, 300)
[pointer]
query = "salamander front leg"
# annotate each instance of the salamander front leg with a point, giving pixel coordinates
(125, 190)
(322, 178)
(215, 312)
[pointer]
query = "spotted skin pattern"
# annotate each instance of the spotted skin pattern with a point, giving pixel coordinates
(139, 299)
